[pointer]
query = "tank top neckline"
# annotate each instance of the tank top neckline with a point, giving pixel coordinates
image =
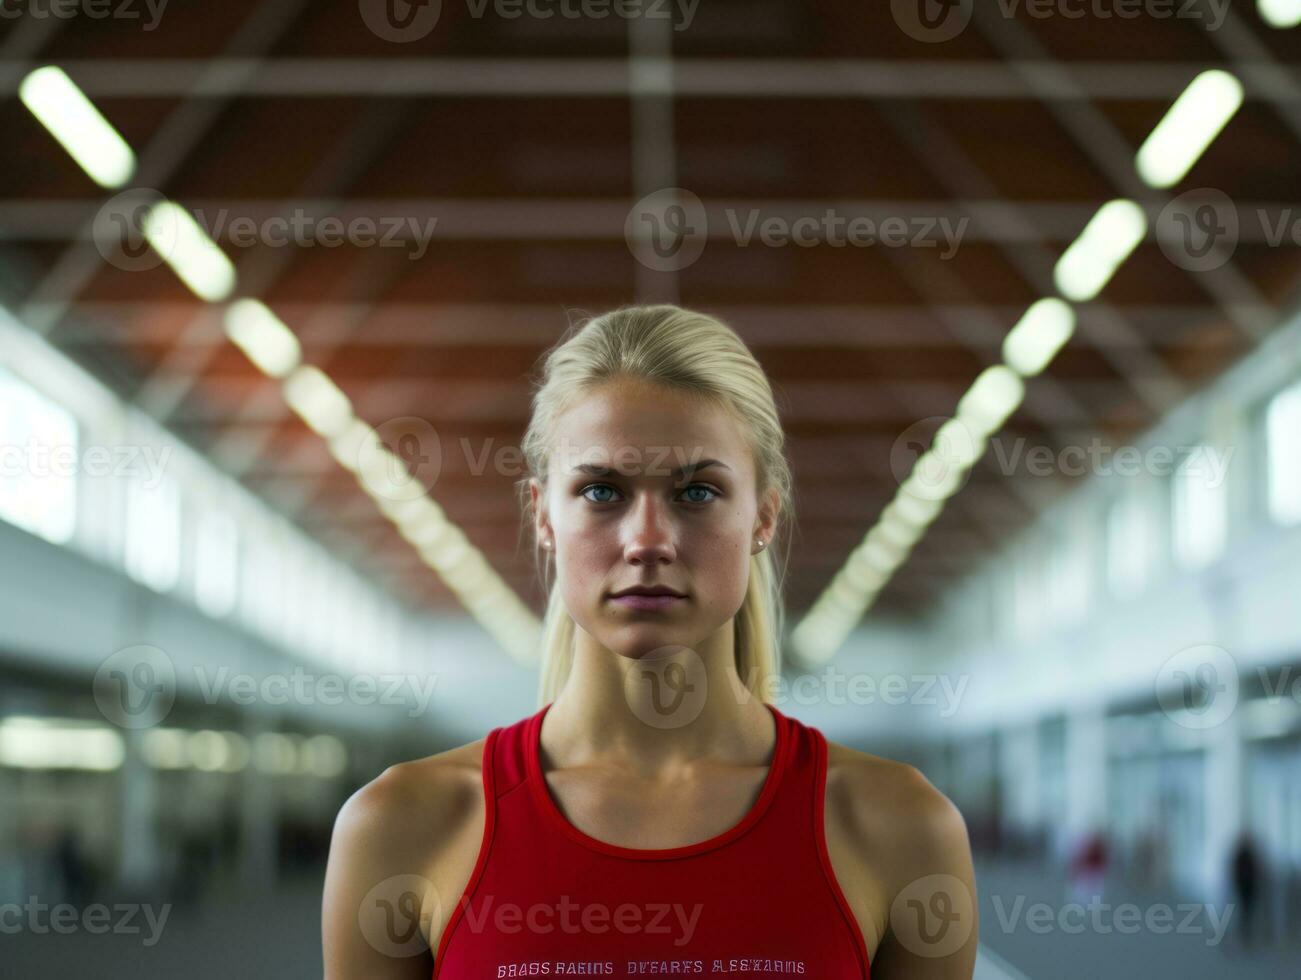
(551, 809)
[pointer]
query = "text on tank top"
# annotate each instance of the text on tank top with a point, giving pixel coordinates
(758, 900)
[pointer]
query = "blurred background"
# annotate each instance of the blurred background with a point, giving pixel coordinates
(273, 278)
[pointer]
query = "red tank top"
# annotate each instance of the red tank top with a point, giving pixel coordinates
(757, 901)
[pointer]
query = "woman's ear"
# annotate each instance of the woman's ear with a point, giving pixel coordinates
(769, 511)
(541, 519)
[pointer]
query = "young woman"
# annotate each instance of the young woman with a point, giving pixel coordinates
(657, 815)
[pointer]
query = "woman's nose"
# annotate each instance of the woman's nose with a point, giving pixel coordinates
(650, 531)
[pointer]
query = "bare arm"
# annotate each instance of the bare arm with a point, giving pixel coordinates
(374, 901)
(402, 850)
(933, 926)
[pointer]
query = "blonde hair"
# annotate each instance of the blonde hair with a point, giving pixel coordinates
(690, 352)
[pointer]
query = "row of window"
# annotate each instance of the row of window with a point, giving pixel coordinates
(1179, 519)
(137, 499)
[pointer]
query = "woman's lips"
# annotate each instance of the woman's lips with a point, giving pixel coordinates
(648, 602)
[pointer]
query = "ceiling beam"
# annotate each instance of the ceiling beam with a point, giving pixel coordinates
(746, 78)
(453, 324)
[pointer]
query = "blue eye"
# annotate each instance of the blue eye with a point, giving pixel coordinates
(694, 486)
(596, 486)
(701, 486)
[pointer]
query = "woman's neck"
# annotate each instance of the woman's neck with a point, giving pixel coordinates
(666, 711)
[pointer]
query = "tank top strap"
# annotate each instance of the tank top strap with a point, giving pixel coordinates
(508, 746)
(801, 777)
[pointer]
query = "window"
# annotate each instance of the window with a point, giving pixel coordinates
(1068, 578)
(1027, 587)
(38, 462)
(1199, 511)
(1131, 545)
(1283, 455)
(216, 556)
(153, 540)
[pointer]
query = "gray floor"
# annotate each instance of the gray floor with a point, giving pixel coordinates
(277, 935)
(1096, 947)
(273, 935)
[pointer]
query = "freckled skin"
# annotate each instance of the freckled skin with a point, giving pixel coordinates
(640, 524)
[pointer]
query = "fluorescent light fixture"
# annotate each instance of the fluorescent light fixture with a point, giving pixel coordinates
(348, 445)
(957, 444)
(912, 510)
(898, 533)
(411, 511)
(59, 743)
(864, 576)
(263, 336)
(318, 401)
(1186, 130)
(933, 478)
(846, 595)
(1038, 336)
(814, 644)
(275, 752)
(879, 552)
(186, 247)
(871, 555)
(73, 120)
(1105, 242)
(424, 535)
(1280, 13)
(992, 397)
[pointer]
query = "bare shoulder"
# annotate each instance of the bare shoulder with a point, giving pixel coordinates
(444, 788)
(885, 801)
(889, 830)
(407, 840)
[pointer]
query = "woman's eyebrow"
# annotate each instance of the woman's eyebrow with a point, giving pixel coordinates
(595, 469)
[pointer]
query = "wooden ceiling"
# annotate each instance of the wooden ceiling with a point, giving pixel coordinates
(529, 139)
